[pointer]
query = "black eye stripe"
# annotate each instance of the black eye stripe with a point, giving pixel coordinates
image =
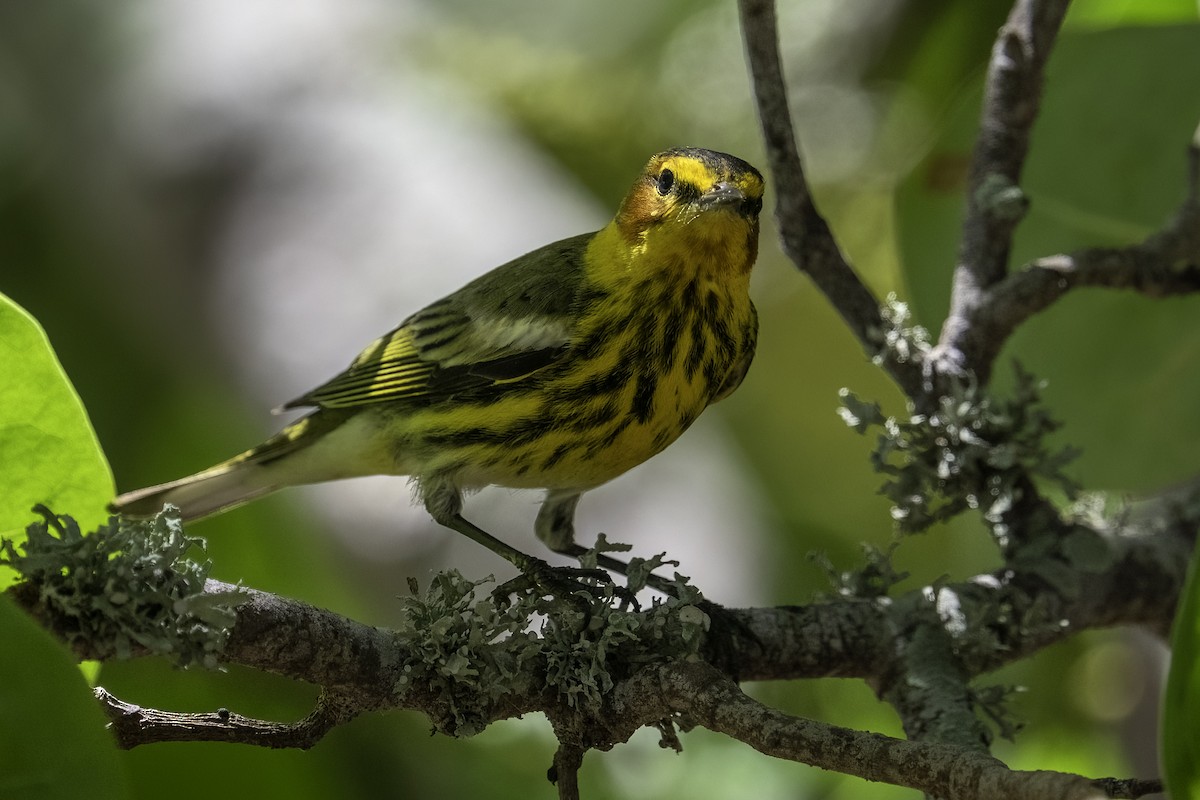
(666, 179)
(687, 193)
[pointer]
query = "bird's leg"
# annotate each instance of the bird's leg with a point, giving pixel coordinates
(444, 503)
(555, 526)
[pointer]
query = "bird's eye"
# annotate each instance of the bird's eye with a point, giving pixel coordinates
(666, 179)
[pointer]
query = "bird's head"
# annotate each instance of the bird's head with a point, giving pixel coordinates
(694, 200)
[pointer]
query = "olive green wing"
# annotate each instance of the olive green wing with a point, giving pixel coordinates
(500, 328)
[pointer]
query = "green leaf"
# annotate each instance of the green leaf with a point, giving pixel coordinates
(53, 743)
(1181, 701)
(48, 450)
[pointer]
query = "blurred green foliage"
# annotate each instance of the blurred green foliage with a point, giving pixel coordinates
(52, 739)
(115, 260)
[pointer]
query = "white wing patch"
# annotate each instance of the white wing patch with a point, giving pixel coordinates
(495, 337)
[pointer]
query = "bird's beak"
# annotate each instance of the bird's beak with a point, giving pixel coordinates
(722, 194)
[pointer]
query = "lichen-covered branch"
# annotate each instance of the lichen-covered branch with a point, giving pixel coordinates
(455, 658)
(929, 687)
(706, 697)
(952, 457)
(1113, 567)
(942, 770)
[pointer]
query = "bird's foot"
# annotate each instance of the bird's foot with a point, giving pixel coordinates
(580, 585)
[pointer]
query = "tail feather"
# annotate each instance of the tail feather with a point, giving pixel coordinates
(226, 485)
(303, 452)
(216, 489)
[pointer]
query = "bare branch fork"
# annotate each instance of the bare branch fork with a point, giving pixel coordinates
(1165, 264)
(995, 204)
(987, 302)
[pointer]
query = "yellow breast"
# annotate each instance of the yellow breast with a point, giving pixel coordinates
(655, 347)
(664, 327)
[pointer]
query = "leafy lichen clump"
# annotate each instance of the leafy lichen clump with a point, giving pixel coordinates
(874, 579)
(471, 650)
(127, 585)
(967, 454)
(903, 341)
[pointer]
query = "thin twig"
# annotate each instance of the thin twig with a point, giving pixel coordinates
(804, 233)
(942, 770)
(134, 725)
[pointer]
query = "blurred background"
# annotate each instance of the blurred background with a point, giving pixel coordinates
(211, 207)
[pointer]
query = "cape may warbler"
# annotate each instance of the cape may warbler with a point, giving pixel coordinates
(559, 370)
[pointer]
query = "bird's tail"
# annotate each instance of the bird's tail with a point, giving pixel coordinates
(215, 489)
(226, 485)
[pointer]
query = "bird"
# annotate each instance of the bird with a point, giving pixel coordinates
(559, 370)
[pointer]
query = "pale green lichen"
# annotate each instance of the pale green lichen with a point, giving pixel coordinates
(901, 340)
(874, 579)
(993, 702)
(471, 650)
(125, 586)
(1001, 198)
(970, 453)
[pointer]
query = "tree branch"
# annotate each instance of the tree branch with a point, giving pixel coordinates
(1165, 264)
(928, 686)
(292, 639)
(804, 233)
(703, 695)
(955, 773)
(135, 725)
(995, 204)
(1127, 571)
